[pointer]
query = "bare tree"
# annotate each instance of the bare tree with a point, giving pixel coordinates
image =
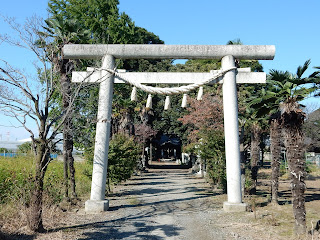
(30, 100)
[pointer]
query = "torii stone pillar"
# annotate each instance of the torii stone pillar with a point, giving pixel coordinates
(231, 136)
(97, 202)
(150, 51)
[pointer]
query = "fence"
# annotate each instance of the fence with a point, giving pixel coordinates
(52, 155)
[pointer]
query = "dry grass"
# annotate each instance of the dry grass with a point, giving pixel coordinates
(271, 221)
(263, 220)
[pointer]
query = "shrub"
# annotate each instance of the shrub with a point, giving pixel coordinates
(25, 148)
(248, 183)
(123, 159)
(4, 150)
(213, 151)
(124, 154)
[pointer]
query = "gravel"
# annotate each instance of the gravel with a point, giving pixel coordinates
(158, 204)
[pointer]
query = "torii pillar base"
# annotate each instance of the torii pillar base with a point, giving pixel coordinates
(234, 207)
(96, 206)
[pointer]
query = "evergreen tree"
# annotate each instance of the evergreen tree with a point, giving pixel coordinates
(106, 26)
(62, 32)
(281, 101)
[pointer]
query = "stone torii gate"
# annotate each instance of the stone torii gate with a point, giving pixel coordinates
(106, 77)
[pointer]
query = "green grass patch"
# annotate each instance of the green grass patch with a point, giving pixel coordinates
(16, 179)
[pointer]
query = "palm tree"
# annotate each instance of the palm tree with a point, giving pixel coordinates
(281, 102)
(255, 153)
(275, 148)
(292, 118)
(64, 31)
(255, 126)
(267, 105)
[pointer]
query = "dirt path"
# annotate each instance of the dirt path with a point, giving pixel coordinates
(160, 204)
(174, 204)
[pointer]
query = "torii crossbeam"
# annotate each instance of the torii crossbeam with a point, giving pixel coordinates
(106, 79)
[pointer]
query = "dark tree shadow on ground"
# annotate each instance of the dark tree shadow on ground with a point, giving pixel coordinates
(5, 236)
(142, 223)
(141, 231)
(135, 226)
(198, 196)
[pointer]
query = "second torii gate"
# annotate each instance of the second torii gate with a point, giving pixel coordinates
(106, 77)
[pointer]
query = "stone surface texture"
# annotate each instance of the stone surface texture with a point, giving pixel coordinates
(100, 161)
(231, 132)
(161, 51)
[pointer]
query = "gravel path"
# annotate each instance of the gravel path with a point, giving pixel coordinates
(159, 204)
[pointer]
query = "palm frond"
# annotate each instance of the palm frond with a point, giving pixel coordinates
(302, 69)
(279, 76)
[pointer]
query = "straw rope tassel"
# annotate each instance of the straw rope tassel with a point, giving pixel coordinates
(167, 103)
(134, 94)
(149, 102)
(184, 101)
(200, 93)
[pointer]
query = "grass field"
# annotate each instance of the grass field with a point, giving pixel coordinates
(263, 217)
(16, 179)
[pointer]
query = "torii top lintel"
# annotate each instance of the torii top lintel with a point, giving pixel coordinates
(161, 51)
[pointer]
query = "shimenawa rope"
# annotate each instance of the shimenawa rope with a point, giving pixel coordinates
(173, 90)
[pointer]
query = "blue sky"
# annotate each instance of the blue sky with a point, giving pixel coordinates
(291, 25)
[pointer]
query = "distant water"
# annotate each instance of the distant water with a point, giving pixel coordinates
(13, 146)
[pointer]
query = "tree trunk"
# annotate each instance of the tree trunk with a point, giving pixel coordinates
(34, 216)
(67, 135)
(275, 148)
(243, 161)
(126, 125)
(262, 148)
(292, 120)
(65, 169)
(150, 156)
(72, 173)
(255, 155)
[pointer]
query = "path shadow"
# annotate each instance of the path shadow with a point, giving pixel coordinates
(146, 218)
(266, 165)
(141, 224)
(164, 175)
(146, 183)
(310, 195)
(6, 236)
(168, 166)
(313, 196)
(142, 231)
(135, 226)
(149, 191)
(138, 226)
(157, 191)
(155, 203)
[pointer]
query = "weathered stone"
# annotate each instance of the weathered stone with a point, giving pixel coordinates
(231, 131)
(96, 206)
(100, 160)
(161, 51)
(234, 207)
